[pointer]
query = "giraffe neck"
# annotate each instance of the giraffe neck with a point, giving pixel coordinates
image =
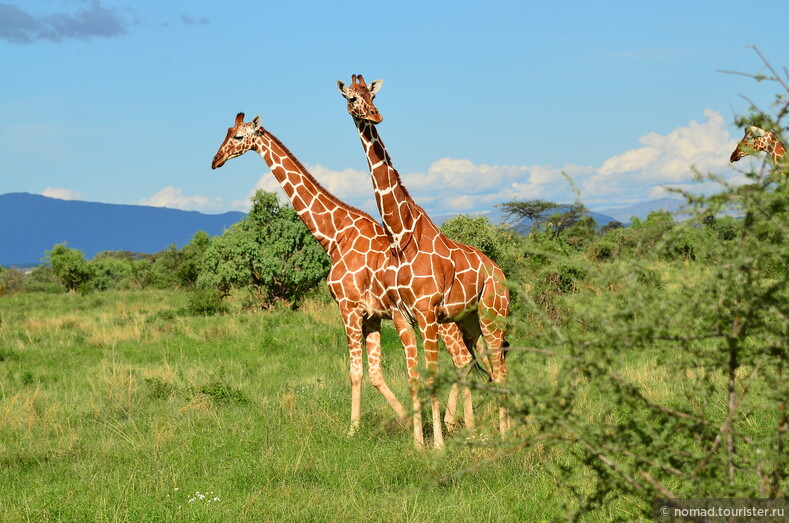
(776, 149)
(315, 205)
(399, 212)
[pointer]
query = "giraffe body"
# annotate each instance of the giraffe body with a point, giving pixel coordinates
(438, 280)
(757, 139)
(362, 275)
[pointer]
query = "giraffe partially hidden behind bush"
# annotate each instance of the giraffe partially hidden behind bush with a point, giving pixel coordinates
(361, 278)
(757, 139)
(438, 280)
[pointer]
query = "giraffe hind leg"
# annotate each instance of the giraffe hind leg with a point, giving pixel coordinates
(371, 329)
(462, 358)
(353, 332)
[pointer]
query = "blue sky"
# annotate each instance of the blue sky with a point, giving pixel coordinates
(123, 101)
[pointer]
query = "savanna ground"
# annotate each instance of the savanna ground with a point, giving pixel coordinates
(117, 407)
(120, 406)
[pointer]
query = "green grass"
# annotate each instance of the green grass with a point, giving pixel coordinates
(116, 406)
(119, 407)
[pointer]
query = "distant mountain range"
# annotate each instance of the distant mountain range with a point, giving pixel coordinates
(31, 224)
(622, 214)
(642, 210)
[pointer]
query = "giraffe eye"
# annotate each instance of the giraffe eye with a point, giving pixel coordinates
(238, 137)
(352, 99)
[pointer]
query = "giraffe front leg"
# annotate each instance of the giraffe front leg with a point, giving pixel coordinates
(408, 339)
(429, 327)
(353, 331)
(494, 339)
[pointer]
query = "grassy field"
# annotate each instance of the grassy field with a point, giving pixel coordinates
(117, 406)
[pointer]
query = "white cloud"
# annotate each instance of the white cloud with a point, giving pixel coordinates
(174, 198)
(663, 161)
(452, 185)
(351, 186)
(61, 194)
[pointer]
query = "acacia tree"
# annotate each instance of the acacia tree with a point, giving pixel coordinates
(532, 210)
(565, 217)
(271, 253)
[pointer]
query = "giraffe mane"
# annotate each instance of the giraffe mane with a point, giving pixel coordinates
(309, 176)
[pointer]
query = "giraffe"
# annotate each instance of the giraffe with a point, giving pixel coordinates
(757, 139)
(438, 280)
(361, 265)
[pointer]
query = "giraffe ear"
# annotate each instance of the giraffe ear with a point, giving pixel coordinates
(256, 121)
(375, 86)
(342, 88)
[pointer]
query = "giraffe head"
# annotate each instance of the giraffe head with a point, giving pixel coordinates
(757, 139)
(240, 138)
(360, 98)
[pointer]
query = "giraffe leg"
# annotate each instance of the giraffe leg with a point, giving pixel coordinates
(406, 333)
(353, 331)
(371, 328)
(451, 410)
(492, 313)
(429, 327)
(462, 358)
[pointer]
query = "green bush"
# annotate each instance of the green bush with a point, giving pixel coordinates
(205, 301)
(271, 253)
(11, 280)
(70, 266)
(502, 246)
(110, 273)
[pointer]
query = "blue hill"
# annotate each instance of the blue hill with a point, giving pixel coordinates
(642, 210)
(31, 224)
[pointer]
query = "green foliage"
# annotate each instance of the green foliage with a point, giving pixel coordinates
(706, 302)
(271, 252)
(533, 210)
(205, 301)
(566, 217)
(108, 272)
(581, 233)
(500, 245)
(70, 266)
(11, 280)
(191, 259)
(43, 279)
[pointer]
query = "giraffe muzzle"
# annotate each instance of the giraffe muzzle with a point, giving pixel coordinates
(218, 162)
(374, 117)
